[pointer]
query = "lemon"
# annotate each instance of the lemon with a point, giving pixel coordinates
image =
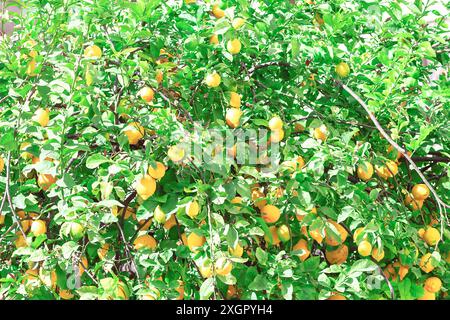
(342, 69)
(144, 242)
(234, 46)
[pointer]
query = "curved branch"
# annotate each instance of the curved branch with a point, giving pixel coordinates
(402, 151)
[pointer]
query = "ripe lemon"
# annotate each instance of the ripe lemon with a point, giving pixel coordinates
(433, 284)
(316, 235)
(128, 213)
(20, 240)
(214, 39)
(192, 209)
(42, 117)
(337, 297)
(364, 248)
(237, 251)
(103, 251)
(134, 132)
(377, 254)
(237, 23)
(426, 264)
(320, 133)
(175, 153)
(194, 241)
(171, 222)
(283, 233)
(38, 227)
(31, 67)
(145, 187)
(223, 266)
(413, 203)
(256, 198)
(420, 191)
(93, 52)
(158, 172)
(234, 46)
(337, 256)
(45, 181)
(270, 213)
(159, 76)
(275, 240)
(302, 245)
(431, 236)
(235, 100)
(276, 136)
(421, 232)
(66, 294)
(159, 215)
(365, 171)
(427, 295)
(213, 80)
(402, 270)
(275, 123)
(233, 117)
(389, 170)
(144, 242)
(342, 69)
(205, 269)
(357, 233)
(342, 233)
(2, 164)
(217, 11)
(147, 94)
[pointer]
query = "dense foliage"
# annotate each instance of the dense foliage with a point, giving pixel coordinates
(97, 96)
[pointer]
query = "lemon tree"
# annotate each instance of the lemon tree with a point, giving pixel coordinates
(109, 178)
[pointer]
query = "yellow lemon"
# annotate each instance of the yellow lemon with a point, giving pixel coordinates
(342, 69)
(134, 132)
(233, 117)
(321, 133)
(377, 254)
(365, 171)
(302, 245)
(147, 94)
(237, 251)
(145, 187)
(364, 248)
(213, 80)
(420, 191)
(38, 227)
(223, 266)
(42, 117)
(337, 256)
(214, 39)
(234, 46)
(237, 23)
(275, 123)
(158, 172)
(192, 209)
(270, 213)
(175, 153)
(93, 52)
(144, 242)
(276, 136)
(194, 241)
(45, 181)
(431, 236)
(159, 215)
(433, 284)
(235, 100)
(217, 11)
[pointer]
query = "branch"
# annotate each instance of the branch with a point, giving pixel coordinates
(431, 159)
(402, 151)
(267, 64)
